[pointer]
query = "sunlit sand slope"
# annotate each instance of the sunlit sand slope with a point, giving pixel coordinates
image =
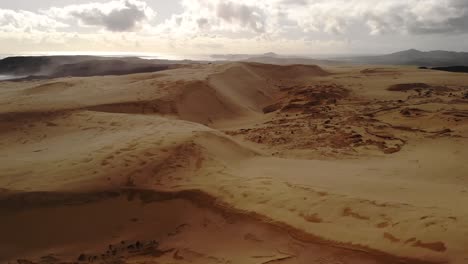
(236, 163)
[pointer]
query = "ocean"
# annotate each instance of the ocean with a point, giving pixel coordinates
(7, 77)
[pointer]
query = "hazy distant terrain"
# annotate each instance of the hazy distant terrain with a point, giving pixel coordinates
(273, 58)
(80, 66)
(437, 58)
(408, 57)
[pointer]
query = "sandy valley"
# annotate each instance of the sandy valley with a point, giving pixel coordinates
(236, 163)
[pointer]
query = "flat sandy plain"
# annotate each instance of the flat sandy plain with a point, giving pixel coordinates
(236, 163)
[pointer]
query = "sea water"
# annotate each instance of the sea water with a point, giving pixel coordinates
(7, 77)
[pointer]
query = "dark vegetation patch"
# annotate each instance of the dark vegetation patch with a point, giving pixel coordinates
(452, 69)
(403, 87)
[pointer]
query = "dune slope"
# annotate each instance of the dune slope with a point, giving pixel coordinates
(285, 164)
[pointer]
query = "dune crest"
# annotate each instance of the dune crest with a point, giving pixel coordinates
(292, 163)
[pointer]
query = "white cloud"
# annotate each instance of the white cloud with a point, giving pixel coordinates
(380, 17)
(244, 16)
(25, 21)
(231, 16)
(344, 17)
(238, 25)
(117, 16)
(255, 16)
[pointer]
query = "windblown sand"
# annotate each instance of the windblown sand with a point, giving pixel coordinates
(236, 163)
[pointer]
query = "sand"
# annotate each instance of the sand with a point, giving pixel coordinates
(236, 163)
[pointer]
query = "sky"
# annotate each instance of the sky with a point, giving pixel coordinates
(183, 27)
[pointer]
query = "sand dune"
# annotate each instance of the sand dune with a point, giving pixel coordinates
(186, 230)
(236, 163)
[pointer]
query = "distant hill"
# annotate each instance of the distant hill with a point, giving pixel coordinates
(273, 58)
(242, 57)
(60, 66)
(39, 65)
(452, 69)
(437, 58)
(290, 61)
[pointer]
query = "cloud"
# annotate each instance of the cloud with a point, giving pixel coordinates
(235, 25)
(116, 16)
(254, 17)
(250, 17)
(380, 17)
(335, 17)
(27, 22)
(440, 17)
(202, 16)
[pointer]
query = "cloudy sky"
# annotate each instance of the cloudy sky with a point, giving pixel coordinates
(232, 26)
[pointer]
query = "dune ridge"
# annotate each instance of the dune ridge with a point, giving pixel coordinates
(28, 201)
(329, 156)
